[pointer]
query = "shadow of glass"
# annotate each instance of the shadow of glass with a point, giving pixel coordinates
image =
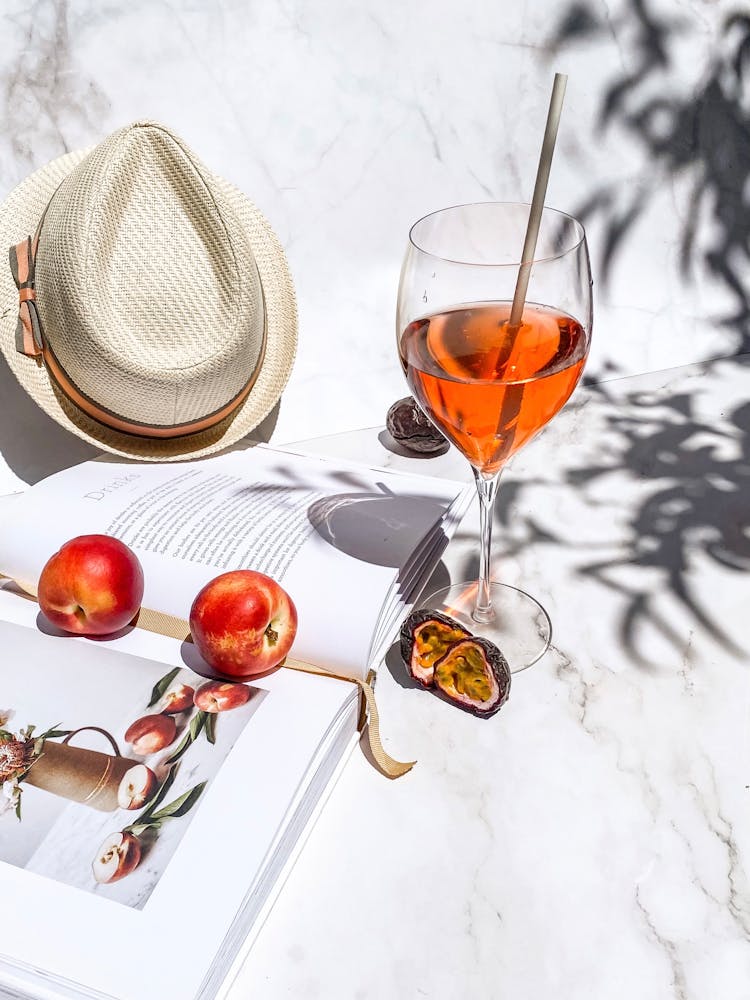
(378, 528)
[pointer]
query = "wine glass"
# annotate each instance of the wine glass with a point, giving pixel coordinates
(487, 385)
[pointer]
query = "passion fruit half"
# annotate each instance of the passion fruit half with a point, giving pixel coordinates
(425, 638)
(474, 675)
(408, 425)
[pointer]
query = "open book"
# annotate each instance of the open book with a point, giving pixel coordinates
(201, 857)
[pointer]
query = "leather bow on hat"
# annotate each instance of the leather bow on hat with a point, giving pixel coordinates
(28, 330)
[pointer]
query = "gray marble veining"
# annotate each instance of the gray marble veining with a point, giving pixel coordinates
(592, 840)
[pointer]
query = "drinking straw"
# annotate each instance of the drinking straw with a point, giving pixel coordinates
(537, 201)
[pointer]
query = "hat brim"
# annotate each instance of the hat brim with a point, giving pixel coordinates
(19, 216)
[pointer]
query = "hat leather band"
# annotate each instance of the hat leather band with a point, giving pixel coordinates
(30, 341)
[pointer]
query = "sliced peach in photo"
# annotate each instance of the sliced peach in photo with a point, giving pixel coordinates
(119, 855)
(138, 785)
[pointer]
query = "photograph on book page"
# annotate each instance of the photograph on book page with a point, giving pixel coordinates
(105, 759)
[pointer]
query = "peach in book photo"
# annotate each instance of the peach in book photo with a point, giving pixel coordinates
(103, 766)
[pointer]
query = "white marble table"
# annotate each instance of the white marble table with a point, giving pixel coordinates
(592, 840)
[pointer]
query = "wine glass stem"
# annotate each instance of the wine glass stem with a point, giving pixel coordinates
(487, 490)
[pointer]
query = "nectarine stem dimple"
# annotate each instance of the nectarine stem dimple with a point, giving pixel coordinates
(272, 635)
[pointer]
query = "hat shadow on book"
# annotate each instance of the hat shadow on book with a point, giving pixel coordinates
(35, 446)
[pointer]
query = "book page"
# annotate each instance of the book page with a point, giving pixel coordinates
(204, 846)
(338, 537)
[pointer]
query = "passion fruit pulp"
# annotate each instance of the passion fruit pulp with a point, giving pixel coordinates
(474, 675)
(426, 637)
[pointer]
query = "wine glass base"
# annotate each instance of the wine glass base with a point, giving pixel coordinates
(521, 628)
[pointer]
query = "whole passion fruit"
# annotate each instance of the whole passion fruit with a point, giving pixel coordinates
(425, 638)
(474, 675)
(412, 430)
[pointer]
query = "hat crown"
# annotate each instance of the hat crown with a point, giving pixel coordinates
(148, 291)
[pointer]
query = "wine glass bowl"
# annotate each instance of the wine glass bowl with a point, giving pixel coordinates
(488, 384)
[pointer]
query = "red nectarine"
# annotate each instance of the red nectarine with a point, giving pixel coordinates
(243, 623)
(92, 586)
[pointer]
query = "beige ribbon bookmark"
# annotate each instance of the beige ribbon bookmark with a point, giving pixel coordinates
(178, 628)
(369, 724)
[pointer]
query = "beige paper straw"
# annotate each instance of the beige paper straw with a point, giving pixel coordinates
(537, 201)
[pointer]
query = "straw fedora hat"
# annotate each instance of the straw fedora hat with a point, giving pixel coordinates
(148, 307)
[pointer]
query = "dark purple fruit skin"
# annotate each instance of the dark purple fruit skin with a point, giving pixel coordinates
(406, 636)
(499, 666)
(410, 427)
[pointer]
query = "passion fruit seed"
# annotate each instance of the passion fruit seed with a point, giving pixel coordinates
(410, 427)
(474, 675)
(426, 637)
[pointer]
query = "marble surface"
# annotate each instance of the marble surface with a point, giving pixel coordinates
(346, 122)
(591, 840)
